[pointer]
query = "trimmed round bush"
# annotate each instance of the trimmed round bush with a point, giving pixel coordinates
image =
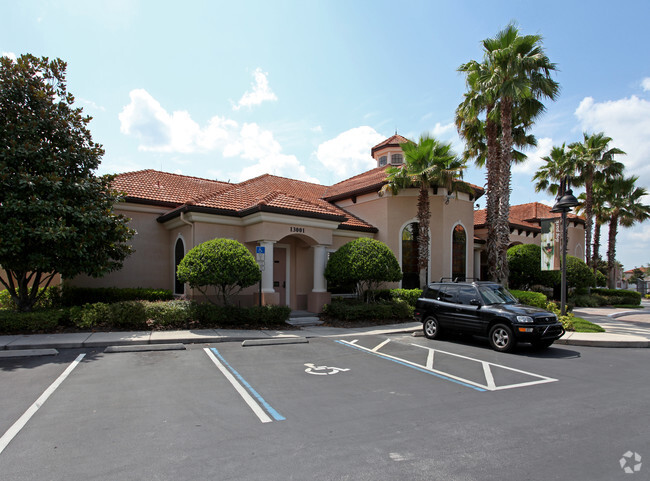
(364, 262)
(224, 264)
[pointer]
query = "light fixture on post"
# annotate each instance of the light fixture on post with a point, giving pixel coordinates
(565, 201)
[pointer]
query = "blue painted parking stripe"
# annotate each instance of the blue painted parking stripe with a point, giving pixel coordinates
(426, 371)
(276, 415)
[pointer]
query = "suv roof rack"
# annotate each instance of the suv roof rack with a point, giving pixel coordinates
(458, 279)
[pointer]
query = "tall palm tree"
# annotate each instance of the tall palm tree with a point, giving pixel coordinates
(514, 75)
(598, 208)
(429, 163)
(624, 207)
(593, 160)
(556, 168)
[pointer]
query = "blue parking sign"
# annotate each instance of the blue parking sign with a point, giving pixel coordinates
(259, 250)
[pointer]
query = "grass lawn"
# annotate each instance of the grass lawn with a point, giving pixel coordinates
(583, 325)
(628, 306)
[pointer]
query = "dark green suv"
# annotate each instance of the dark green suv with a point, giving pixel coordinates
(485, 309)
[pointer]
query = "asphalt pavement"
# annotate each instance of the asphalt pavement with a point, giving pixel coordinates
(624, 328)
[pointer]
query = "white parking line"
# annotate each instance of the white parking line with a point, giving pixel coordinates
(379, 346)
(22, 421)
(489, 378)
(259, 412)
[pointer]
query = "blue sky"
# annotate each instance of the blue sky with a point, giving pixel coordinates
(303, 89)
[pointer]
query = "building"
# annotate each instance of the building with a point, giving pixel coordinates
(525, 228)
(296, 223)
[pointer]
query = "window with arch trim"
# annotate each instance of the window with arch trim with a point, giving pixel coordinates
(459, 253)
(179, 253)
(411, 274)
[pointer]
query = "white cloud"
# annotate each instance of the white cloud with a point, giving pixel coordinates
(645, 83)
(349, 153)
(159, 131)
(260, 92)
(11, 55)
(627, 122)
(444, 131)
(91, 104)
(534, 160)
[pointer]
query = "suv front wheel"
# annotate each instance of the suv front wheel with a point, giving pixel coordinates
(431, 328)
(502, 338)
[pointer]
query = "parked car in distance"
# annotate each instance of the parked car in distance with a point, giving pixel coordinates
(485, 309)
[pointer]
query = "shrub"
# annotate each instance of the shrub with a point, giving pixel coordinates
(535, 299)
(172, 314)
(365, 262)
(619, 296)
(90, 316)
(585, 301)
(356, 310)
(49, 297)
(78, 296)
(410, 296)
(524, 263)
(31, 322)
(578, 274)
(224, 264)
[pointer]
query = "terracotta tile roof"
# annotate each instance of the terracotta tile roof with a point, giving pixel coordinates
(393, 141)
(525, 215)
(365, 182)
(264, 193)
(370, 181)
(164, 188)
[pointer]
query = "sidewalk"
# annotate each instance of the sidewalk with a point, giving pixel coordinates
(624, 328)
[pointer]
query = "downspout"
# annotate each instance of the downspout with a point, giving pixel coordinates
(190, 224)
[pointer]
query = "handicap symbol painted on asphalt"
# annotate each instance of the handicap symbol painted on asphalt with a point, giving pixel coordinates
(323, 370)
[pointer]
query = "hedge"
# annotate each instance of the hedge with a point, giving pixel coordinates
(535, 299)
(12, 322)
(619, 296)
(79, 296)
(355, 310)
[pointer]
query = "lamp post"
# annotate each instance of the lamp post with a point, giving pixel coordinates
(565, 201)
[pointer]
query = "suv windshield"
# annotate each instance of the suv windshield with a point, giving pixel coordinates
(496, 295)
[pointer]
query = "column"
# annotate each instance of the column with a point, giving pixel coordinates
(319, 296)
(477, 264)
(320, 261)
(267, 273)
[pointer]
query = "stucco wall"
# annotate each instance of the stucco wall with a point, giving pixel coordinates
(150, 264)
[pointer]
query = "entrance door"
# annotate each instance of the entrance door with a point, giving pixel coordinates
(280, 273)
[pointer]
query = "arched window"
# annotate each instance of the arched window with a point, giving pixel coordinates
(179, 253)
(410, 235)
(459, 253)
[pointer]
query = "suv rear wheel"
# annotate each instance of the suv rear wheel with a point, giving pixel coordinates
(431, 328)
(502, 338)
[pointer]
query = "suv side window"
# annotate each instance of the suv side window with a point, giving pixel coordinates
(466, 294)
(433, 292)
(448, 293)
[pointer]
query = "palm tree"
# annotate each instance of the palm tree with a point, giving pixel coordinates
(557, 167)
(593, 160)
(429, 163)
(624, 207)
(598, 208)
(507, 86)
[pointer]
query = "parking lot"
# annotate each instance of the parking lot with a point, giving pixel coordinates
(374, 407)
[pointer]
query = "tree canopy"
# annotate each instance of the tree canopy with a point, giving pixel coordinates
(56, 215)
